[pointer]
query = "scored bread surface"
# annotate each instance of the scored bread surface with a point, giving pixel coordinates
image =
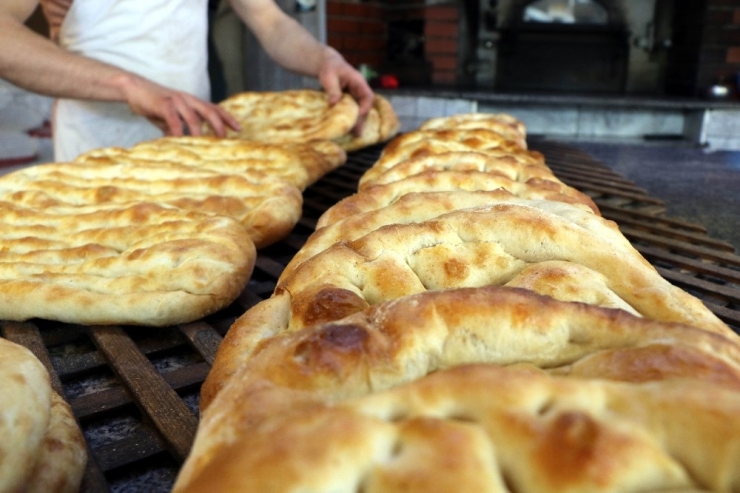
(293, 376)
(141, 264)
(293, 115)
(550, 245)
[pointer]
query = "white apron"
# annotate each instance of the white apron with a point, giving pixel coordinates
(162, 40)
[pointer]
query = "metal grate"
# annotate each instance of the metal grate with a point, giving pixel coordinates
(134, 391)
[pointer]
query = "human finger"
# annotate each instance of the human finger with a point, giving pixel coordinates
(219, 119)
(332, 86)
(172, 120)
(364, 96)
(186, 111)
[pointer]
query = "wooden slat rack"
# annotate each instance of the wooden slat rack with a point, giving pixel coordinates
(134, 391)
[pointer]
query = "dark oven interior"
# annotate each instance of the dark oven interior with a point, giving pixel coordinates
(563, 46)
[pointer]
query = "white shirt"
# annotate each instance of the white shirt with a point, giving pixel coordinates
(162, 40)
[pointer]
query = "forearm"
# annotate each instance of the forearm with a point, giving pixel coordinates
(285, 40)
(38, 65)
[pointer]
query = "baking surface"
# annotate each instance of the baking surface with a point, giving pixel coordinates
(135, 390)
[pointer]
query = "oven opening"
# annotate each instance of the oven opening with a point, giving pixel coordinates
(563, 46)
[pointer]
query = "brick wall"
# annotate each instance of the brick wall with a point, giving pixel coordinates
(359, 30)
(441, 33)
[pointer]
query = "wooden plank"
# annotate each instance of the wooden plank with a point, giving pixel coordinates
(679, 246)
(638, 197)
(73, 365)
(204, 339)
(710, 269)
(609, 211)
(269, 266)
(27, 335)
(139, 445)
(670, 232)
(597, 177)
(686, 281)
(728, 316)
(154, 396)
(90, 405)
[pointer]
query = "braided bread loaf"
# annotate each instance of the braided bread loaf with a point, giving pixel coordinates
(295, 377)
(438, 333)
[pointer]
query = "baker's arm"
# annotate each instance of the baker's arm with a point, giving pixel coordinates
(34, 63)
(296, 49)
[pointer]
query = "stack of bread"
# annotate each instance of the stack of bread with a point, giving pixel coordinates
(42, 448)
(163, 232)
(467, 322)
(305, 114)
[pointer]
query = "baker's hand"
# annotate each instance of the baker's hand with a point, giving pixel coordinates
(175, 112)
(337, 76)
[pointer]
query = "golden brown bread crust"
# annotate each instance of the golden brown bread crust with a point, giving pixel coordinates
(535, 433)
(299, 163)
(141, 264)
(290, 116)
(502, 124)
(503, 163)
(380, 125)
(62, 457)
(268, 207)
(512, 242)
(405, 339)
(420, 143)
(25, 403)
(303, 163)
(318, 157)
(409, 337)
(410, 207)
(464, 121)
(379, 196)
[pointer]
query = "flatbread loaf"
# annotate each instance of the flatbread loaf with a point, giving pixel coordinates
(317, 157)
(62, 457)
(409, 208)
(404, 340)
(290, 116)
(534, 433)
(379, 196)
(466, 121)
(380, 125)
(427, 143)
(505, 129)
(489, 245)
(25, 403)
(505, 165)
(300, 163)
(267, 206)
(42, 448)
(400, 340)
(140, 264)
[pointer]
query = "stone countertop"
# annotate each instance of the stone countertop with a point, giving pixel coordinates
(617, 101)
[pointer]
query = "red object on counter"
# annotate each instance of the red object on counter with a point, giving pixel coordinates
(388, 81)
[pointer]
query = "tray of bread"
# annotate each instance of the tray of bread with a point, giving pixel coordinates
(460, 308)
